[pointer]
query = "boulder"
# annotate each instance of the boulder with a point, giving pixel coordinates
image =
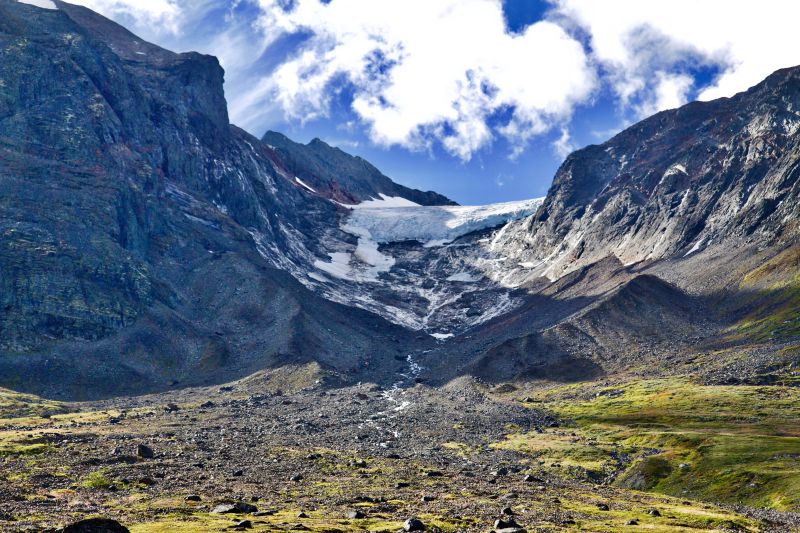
(145, 452)
(413, 524)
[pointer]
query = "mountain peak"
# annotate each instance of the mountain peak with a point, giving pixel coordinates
(340, 176)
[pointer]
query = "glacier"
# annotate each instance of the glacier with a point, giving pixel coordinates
(430, 268)
(387, 220)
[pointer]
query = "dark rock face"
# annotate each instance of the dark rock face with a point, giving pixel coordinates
(145, 452)
(643, 316)
(340, 176)
(128, 210)
(721, 172)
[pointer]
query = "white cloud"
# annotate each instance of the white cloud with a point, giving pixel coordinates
(162, 14)
(443, 71)
(424, 71)
(564, 145)
(647, 48)
(669, 91)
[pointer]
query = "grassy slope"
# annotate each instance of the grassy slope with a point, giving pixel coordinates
(771, 308)
(732, 444)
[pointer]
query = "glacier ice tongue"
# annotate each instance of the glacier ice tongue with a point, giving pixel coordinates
(432, 225)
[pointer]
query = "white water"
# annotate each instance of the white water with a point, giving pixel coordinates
(394, 397)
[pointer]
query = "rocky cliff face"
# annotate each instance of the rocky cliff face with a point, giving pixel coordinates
(716, 173)
(128, 210)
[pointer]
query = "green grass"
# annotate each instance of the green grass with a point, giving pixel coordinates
(558, 447)
(773, 300)
(23, 449)
(17, 405)
(737, 444)
(97, 480)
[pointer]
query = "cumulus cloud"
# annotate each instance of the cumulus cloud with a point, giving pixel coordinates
(668, 92)
(649, 49)
(564, 145)
(418, 73)
(163, 14)
(423, 71)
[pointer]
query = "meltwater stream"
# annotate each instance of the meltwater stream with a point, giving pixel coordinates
(394, 397)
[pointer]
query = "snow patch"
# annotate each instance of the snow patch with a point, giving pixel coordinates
(675, 169)
(318, 277)
(300, 182)
(339, 267)
(405, 404)
(44, 4)
(436, 243)
(383, 201)
(695, 248)
(367, 251)
(464, 277)
(441, 336)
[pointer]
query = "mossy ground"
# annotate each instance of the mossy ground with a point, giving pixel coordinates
(771, 305)
(17, 405)
(731, 444)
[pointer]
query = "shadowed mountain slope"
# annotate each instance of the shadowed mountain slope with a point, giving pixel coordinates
(128, 206)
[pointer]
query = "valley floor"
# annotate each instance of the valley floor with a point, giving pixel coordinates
(645, 455)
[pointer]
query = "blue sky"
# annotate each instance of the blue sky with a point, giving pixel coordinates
(480, 100)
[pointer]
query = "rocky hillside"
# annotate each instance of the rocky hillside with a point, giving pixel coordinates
(134, 219)
(709, 173)
(674, 240)
(149, 244)
(339, 176)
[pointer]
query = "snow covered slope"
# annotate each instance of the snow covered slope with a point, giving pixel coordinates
(388, 221)
(432, 268)
(44, 4)
(392, 219)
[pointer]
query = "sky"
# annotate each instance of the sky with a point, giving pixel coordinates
(480, 100)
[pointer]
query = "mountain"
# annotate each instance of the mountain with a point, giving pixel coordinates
(720, 173)
(132, 218)
(149, 244)
(674, 240)
(339, 176)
